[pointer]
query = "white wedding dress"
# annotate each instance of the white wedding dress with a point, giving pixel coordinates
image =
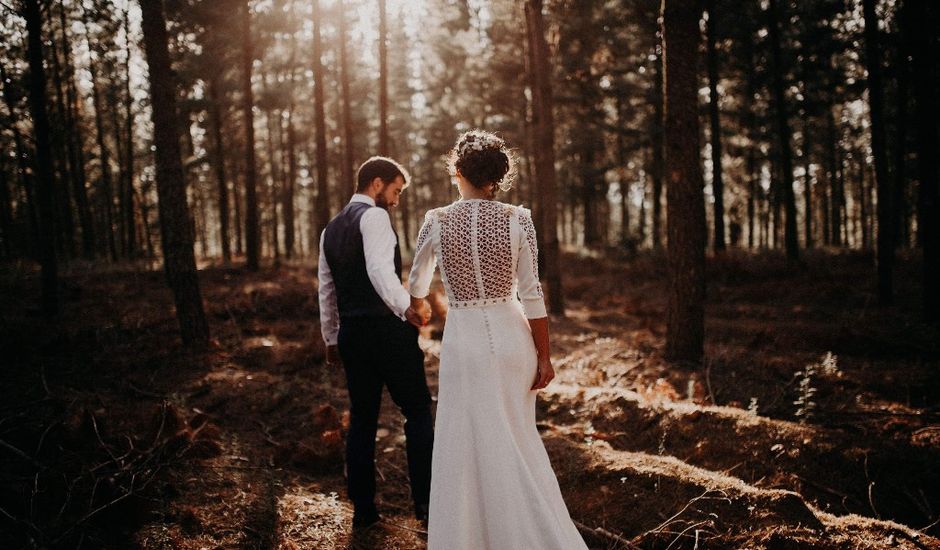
(492, 486)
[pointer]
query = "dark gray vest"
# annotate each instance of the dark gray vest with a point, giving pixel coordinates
(342, 246)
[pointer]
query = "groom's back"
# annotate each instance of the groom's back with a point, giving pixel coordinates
(343, 248)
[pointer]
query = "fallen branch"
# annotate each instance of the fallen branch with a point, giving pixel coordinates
(604, 533)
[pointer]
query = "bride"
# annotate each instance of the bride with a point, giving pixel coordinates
(492, 486)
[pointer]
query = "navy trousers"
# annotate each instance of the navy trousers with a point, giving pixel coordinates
(377, 352)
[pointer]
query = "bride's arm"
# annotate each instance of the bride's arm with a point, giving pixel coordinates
(422, 268)
(533, 302)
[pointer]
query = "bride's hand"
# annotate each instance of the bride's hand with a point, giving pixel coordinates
(544, 374)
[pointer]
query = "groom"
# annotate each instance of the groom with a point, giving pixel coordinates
(367, 321)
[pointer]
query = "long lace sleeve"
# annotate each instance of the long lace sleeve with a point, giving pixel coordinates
(422, 267)
(530, 290)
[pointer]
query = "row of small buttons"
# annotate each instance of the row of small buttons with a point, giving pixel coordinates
(480, 303)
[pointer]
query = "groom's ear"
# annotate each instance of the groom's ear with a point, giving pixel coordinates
(376, 184)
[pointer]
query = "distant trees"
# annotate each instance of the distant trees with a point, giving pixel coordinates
(792, 112)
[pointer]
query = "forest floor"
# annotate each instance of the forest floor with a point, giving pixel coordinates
(814, 423)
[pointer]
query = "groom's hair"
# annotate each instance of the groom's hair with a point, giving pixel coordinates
(379, 167)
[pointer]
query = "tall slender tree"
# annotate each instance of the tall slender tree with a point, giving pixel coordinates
(348, 136)
(783, 130)
(718, 187)
(75, 141)
(218, 162)
(656, 139)
(43, 166)
(685, 217)
(175, 227)
(383, 79)
(252, 228)
(918, 19)
(104, 154)
(886, 224)
(544, 123)
(323, 200)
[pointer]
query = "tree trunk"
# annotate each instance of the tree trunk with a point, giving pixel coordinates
(718, 187)
(104, 156)
(22, 158)
(751, 193)
(836, 198)
(383, 79)
(685, 218)
(807, 189)
(273, 120)
(919, 21)
(544, 125)
(349, 147)
(6, 211)
(75, 145)
(252, 237)
(287, 193)
(656, 138)
(901, 210)
(218, 161)
(65, 225)
(323, 204)
(130, 223)
(175, 228)
(783, 133)
(885, 195)
(43, 165)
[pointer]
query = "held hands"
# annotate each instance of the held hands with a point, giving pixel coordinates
(544, 374)
(419, 313)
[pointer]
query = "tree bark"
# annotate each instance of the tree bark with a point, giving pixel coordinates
(919, 20)
(349, 147)
(901, 208)
(22, 158)
(884, 192)
(657, 142)
(287, 194)
(783, 133)
(685, 218)
(130, 224)
(252, 236)
(104, 156)
(218, 161)
(43, 165)
(323, 199)
(544, 124)
(383, 79)
(175, 227)
(65, 226)
(75, 144)
(718, 187)
(6, 211)
(807, 189)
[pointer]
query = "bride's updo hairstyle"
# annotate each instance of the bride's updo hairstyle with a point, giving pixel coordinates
(483, 159)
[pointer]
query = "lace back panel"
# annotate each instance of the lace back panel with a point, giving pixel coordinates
(477, 250)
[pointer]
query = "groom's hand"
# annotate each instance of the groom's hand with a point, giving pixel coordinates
(332, 356)
(414, 317)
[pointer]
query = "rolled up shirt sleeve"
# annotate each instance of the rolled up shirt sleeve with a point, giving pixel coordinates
(378, 244)
(329, 312)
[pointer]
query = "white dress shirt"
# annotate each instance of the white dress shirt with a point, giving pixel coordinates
(378, 244)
